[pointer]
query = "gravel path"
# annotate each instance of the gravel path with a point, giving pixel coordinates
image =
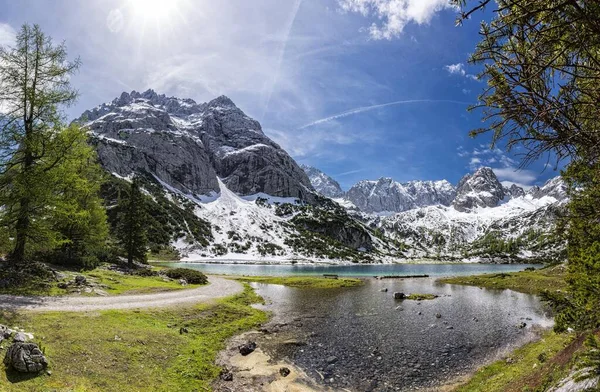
(218, 288)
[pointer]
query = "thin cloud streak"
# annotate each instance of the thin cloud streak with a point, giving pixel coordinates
(368, 108)
(350, 172)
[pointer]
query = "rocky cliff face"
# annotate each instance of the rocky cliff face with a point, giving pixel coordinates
(480, 189)
(322, 183)
(555, 187)
(187, 145)
(387, 195)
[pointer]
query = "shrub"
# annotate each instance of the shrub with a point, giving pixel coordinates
(191, 276)
(144, 272)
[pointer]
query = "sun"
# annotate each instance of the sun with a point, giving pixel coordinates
(154, 10)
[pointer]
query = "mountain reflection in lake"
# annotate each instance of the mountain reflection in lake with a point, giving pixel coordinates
(362, 339)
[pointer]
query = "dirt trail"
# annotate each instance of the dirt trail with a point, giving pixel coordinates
(218, 288)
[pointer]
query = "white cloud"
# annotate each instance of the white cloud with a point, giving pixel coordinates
(505, 168)
(394, 14)
(304, 143)
(475, 162)
(456, 69)
(7, 35)
(372, 107)
(459, 69)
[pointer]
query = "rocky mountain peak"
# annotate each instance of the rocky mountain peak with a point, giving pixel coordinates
(322, 183)
(188, 145)
(387, 195)
(554, 187)
(221, 101)
(480, 189)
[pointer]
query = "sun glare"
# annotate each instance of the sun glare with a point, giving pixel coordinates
(154, 10)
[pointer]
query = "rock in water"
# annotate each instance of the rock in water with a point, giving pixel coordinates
(25, 358)
(399, 295)
(247, 348)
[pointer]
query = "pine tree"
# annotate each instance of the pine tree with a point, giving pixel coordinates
(131, 227)
(79, 215)
(541, 61)
(34, 83)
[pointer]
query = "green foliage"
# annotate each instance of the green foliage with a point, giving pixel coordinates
(591, 357)
(541, 60)
(191, 276)
(35, 77)
(132, 222)
(168, 220)
(79, 216)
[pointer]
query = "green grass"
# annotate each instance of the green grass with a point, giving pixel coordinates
(133, 350)
(117, 283)
(303, 281)
(533, 367)
(420, 297)
(131, 284)
(530, 282)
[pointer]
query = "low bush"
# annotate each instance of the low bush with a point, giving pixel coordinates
(191, 276)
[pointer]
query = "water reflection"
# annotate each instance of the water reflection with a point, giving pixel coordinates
(360, 336)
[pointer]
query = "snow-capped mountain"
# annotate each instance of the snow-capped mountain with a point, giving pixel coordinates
(387, 196)
(322, 183)
(188, 145)
(222, 190)
(514, 227)
(480, 189)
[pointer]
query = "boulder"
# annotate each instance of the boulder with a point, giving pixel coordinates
(398, 295)
(284, 371)
(80, 280)
(25, 358)
(19, 337)
(247, 348)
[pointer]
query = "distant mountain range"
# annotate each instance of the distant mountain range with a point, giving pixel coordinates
(386, 196)
(222, 190)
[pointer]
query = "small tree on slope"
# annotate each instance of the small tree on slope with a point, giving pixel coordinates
(131, 226)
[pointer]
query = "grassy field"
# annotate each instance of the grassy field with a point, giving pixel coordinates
(530, 282)
(130, 284)
(303, 281)
(133, 350)
(533, 367)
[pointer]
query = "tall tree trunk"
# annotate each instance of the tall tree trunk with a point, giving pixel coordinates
(22, 227)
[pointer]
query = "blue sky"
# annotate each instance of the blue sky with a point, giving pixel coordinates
(357, 88)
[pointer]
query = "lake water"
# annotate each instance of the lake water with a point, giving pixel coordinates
(362, 339)
(361, 270)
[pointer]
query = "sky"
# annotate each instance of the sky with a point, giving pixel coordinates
(360, 89)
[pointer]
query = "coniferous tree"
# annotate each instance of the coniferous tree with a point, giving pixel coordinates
(79, 215)
(34, 84)
(131, 226)
(541, 61)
